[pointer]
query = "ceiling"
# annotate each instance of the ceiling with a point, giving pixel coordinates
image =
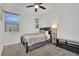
(50, 7)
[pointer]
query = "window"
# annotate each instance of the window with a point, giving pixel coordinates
(11, 21)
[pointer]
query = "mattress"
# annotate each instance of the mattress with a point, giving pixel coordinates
(35, 38)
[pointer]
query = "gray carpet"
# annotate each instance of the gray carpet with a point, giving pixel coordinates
(47, 50)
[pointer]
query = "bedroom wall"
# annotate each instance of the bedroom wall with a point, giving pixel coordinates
(67, 17)
(28, 16)
(7, 37)
(27, 23)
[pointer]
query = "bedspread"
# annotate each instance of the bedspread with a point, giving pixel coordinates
(35, 38)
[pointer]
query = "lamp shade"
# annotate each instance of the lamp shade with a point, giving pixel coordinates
(54, 25)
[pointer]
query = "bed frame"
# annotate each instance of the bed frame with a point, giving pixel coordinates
(37, 45)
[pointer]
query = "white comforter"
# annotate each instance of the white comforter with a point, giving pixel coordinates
(35, 38)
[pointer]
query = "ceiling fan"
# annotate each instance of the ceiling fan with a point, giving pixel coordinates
(36, 6)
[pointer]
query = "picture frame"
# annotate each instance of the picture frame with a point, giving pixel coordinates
(36, 23)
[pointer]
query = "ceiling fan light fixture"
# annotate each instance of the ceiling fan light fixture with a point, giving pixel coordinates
(36, 6)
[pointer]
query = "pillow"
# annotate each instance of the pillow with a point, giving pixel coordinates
(47, 34)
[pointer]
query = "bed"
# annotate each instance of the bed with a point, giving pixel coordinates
(35, 40)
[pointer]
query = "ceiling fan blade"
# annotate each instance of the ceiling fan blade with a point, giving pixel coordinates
(30, 6)
(39, 3)
(35, 9)
(42, 7)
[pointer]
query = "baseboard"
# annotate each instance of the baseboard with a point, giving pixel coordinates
(11, 43)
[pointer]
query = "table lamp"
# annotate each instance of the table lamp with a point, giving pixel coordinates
(54, 32)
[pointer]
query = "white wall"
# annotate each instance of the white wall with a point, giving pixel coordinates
(8, 37)
(67, 16)
(27, 24)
